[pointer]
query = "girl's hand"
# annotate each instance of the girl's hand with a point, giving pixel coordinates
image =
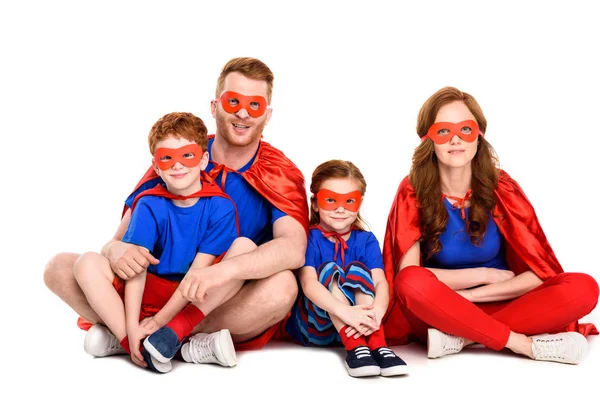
(379, 313)
(361, 318)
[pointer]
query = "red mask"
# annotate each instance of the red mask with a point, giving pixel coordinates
(233, 102)
(189, 156)
(442, 132)
(329, 201)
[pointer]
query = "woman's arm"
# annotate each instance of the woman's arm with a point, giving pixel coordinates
(509, 289)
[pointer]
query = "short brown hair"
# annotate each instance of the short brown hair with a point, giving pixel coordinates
(179, 125)
(251, 68)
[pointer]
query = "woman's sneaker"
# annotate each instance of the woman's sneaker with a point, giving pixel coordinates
(566, 347)
(100, 342)
(389, 363)
(213, 348)
(360, 362)
(441, 344)
(162, 344)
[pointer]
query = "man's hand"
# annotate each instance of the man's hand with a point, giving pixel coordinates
(128, 260)
(199, 280)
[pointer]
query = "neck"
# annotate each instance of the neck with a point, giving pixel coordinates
(455, 181)
(196, 187)
(233, 157)
(347, 231)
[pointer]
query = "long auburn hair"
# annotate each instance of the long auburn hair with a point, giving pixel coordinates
(335, 169)
(424, 174)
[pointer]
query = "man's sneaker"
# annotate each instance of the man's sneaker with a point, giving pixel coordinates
(154, 364)
(360, 362)
(389, 363)
(215, 348)
(567, 347)
(441, 344)
(162, 344)
(100, 342)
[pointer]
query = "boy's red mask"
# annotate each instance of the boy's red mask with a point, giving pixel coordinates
(329, 201)
(442, 132)
(233, 102)
(189, 156)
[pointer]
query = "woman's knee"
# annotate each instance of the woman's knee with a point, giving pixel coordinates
(413, 280)
(587, 287)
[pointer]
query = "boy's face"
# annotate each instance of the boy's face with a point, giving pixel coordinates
(181, 179)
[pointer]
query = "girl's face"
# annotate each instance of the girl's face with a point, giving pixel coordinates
(340, 219)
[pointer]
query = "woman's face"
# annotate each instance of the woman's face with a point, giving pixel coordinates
(456, 153)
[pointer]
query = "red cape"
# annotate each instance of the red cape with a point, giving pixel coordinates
(526, 245)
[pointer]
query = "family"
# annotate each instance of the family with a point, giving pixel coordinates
(219, 249)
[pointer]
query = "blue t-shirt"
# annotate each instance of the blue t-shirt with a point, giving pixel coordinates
(362, 246)
(255, 213)
(175, 234)
(457, 250)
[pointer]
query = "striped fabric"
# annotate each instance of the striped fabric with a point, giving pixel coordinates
(312, 322)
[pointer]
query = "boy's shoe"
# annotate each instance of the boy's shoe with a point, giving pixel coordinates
(389, 363)
(214, 348)
(100, 342)
(566, 347)
(440, 344)
(154, 364)
(360, 362)
(162, 344)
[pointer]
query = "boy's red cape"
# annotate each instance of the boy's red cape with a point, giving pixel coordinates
(526, 245)
(280, 182)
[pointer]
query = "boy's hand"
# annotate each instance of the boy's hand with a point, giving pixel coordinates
(128, 260)
(136, 334)
(198, 281)
(151, 325)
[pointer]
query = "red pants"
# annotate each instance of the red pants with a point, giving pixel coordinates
(558, 302)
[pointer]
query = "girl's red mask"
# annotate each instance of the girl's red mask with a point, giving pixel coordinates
(189, 156)
(442, 132)
(329, 201)
(232, 102)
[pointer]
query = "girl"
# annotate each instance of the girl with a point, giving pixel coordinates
(344, 294)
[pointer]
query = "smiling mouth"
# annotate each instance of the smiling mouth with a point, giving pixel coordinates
(178, 176)
(239, 126)
(456, 151)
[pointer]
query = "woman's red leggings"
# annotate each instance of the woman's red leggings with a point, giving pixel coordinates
(427, 302)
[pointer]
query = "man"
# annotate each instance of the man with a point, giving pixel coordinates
(268, 190)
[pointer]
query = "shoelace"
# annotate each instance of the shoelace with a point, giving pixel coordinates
(550, 348)
(385, 352)
(453, 343)
(200, 350)
(361, 352)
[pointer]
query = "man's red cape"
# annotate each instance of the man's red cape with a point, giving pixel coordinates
(281, 183)
(526, 245)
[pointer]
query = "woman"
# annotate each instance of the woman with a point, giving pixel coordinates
(466, 254)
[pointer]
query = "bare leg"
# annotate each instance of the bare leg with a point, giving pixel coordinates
(337, 293)
(59, 278)
(257, 306)
(95, 277)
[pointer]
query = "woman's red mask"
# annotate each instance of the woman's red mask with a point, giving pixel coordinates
(329, 201)
(189, 156)
(442, 132)
(233, 102)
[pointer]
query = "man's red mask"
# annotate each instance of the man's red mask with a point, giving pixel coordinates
(442, 132)
(189, 156)
(329, 201)
(232, 102)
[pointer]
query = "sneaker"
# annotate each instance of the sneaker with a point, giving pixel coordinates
(154, 364)
(215, 348)
(566, 347)
(100, 342)
(162, 344)
(389, 363)
(441, 344)
(360, 362)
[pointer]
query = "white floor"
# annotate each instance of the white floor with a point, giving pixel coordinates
(51, 363)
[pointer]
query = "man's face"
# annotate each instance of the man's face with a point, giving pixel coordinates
(239, 128)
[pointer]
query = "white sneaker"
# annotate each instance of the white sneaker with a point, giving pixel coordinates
(441, 344)
(100, 342)
(567, 347)
(216, 348)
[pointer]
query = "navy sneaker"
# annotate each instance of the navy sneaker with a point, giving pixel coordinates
(360, 362)
(163, 344)
(389, 362)
(154, 364)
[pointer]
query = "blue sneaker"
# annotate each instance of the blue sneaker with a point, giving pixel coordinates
(154, 364)
(389, 363)
(163, 344)
(360, 362)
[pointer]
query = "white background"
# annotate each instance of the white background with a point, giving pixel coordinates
(81, 83)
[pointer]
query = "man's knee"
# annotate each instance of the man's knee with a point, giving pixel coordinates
(59, 269)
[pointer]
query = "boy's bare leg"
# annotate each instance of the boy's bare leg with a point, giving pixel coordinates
(59, 278)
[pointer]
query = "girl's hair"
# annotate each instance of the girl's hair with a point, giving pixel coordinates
(424, 174)
(335, 169)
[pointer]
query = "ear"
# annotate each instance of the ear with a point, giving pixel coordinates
(269, 112)
(213, 108)
(156, 169)
(313, 204)
(204, 162)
